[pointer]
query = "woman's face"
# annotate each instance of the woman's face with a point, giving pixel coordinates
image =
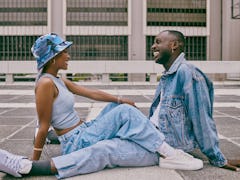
(62, 60)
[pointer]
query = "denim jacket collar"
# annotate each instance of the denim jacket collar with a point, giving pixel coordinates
(175, 64)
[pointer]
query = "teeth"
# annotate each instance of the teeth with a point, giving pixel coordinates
(155, 53)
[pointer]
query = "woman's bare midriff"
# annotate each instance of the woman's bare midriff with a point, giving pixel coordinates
(64, 131)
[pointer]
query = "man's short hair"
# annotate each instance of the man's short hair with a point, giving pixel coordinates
(180, 37)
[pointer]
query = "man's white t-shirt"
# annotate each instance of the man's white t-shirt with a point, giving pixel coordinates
(154, 117)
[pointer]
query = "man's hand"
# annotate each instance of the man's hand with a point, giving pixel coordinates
(232, 165)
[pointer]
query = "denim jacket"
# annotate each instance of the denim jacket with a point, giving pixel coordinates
(185, 118)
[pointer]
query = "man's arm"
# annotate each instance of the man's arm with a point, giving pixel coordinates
(198, 102)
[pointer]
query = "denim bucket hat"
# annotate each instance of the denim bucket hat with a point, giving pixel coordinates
(47, 47)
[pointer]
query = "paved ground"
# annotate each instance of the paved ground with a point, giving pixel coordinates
(18, 119)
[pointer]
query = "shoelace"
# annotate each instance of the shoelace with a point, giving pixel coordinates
(185, 155)
(12, 162)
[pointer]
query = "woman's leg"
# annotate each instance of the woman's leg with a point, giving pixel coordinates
(122, 121)
(107, 153)
(18, 166)
(106, 109)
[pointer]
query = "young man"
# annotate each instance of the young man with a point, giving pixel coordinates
(182, 107)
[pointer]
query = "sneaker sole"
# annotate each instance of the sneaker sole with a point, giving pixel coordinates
(196, 166)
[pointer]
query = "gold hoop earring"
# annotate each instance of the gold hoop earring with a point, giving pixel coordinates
(54, 61)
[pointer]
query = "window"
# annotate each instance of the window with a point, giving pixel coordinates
(236, 9)
(16, 47)
(195, 48)
(99, 47)
(97, 12)
(23, 12)
(176, 13)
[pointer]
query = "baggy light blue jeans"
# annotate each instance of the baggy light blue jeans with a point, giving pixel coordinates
(104, 154)
(115, 121)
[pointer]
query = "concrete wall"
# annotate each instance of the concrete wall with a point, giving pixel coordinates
(137, 47)
(230, 34)
(215, 38)
(224, 37)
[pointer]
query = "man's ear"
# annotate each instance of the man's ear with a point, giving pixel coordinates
(175, 45)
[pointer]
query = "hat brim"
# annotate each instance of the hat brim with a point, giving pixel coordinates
(59, 48)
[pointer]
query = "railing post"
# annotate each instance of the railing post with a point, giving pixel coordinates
(9, 78)
(63, 75)
(153, 77)
(105, 77)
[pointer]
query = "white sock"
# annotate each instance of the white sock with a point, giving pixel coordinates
(26, 166)
(166, 150)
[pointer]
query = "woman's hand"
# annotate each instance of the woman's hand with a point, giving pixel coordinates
(127, 101)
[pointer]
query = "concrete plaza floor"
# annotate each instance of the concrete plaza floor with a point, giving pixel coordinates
(18, 120)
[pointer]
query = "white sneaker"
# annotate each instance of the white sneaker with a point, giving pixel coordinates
(14, 164)
(181, 161)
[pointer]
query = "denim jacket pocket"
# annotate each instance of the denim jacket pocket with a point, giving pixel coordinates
(175, 110)
(172, 122)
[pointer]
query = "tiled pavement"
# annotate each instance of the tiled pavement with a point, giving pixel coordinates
(18, 119)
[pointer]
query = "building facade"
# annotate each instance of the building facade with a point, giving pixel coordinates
(121, 29)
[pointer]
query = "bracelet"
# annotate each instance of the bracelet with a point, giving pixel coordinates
(119, 100)
(37, 149)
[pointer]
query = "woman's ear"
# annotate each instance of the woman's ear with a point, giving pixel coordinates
(54, 61)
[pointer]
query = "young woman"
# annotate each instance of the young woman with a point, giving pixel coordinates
(131, 134)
